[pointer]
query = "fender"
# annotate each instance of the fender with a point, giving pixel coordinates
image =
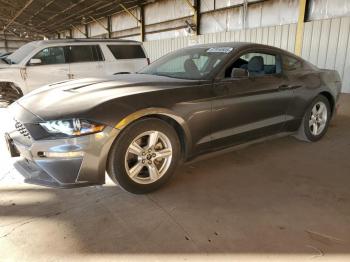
(161, 112)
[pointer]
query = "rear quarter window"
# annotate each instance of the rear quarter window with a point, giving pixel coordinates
(291, 64)
(127, 51)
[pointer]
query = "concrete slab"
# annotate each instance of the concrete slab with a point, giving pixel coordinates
(280, 200)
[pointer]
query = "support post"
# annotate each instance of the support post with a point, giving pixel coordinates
(86, 30)
(300, 27)
(197, 16)
(196, 13)
(142, 23)
(109, 26)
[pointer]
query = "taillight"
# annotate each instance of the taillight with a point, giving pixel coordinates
(148, 61)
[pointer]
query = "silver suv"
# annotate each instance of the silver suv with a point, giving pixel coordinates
(43, 62)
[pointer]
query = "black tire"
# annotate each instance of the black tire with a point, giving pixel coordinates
(116, 161)
(8, 94)
(304, 133)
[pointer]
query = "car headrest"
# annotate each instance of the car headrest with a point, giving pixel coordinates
(191, 68)
(256, 64)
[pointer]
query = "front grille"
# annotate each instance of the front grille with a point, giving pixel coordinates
(22, 129)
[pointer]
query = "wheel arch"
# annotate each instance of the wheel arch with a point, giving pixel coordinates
(10, 91)
(330, 99)
(176, 121)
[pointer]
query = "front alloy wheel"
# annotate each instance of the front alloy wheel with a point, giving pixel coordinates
(144, 155)
(148, 157)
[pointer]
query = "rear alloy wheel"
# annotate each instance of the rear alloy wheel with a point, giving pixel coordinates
(144, 156)
(316, 120)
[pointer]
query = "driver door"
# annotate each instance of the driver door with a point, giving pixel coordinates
(50, 67)
(247, 108)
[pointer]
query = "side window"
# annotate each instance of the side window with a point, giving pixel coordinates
(127, 51)
(51, 56)
(85, 53)
(257, 64)
(291, 64)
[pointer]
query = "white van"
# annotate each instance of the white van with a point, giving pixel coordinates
(43, 62)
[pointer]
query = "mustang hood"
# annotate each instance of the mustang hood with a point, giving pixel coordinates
(74, 97)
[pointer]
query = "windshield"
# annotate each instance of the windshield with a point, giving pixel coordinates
(21, 53)
(191, 63)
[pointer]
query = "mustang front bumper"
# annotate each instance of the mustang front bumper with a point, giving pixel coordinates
(64, 163)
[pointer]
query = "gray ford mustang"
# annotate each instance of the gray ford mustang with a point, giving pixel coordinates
(196, 100)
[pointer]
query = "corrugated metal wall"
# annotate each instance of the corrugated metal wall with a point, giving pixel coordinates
(9, 43)
(78, 34)
(267, 13)
(326, 43)
(280, 36)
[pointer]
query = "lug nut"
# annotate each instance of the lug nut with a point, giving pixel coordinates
(150, 162)
(143, 161)
(153, 155)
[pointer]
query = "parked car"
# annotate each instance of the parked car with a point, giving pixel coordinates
(42, 62)
(193, 101)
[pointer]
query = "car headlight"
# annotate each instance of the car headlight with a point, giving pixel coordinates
(72, 127)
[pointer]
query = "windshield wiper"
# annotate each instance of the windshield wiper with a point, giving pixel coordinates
(163, 74)
(122, 73)
(171, 76)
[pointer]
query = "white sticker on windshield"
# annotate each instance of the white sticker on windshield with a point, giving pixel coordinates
(220, 50)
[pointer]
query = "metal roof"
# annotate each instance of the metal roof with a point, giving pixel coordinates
(82, 40)
(46, 17)
(229, 44)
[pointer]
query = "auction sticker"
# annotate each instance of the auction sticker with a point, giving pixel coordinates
(220, 50)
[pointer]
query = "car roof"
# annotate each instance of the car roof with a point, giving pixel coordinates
(82, 40)
(233, 45)
(244, 45)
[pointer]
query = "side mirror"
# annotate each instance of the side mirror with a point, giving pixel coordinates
(239, 73)
(35, 61)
